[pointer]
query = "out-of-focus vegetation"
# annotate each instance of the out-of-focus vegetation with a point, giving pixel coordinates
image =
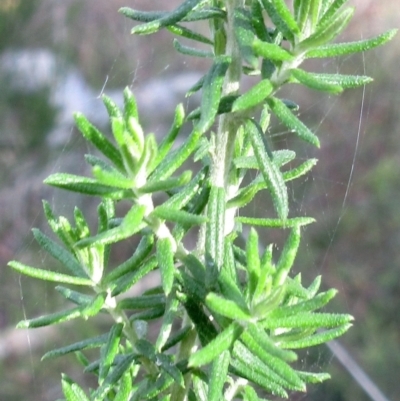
(354, 194)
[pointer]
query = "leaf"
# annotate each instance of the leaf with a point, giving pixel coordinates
(166, 185)
(93, 342)
(218, 376)
(170, 314)
(214, 246)
(93, 135)
(130, 105)
(95, 306)
(306, 320)
(130, 225)
(287, 257)
(178, 216)
(253, 260)
(215, 347)
(276, 17)
(314, 81)
(310, 377)
(169, 19)
(125, 282)
(316, 339)
(330, 12)
(211, 95)
(299, 171)
(175, 158)
(227, 308)
(142, 302)
(71, 390)
(83, 185)
(254, 96)
(74, 296)
(271, 51)
(165, 257)
(110, 350)
(51, 319)
(176, 337)
(277, 365)
(191, 51)
(325, 33)
(125, 388)
(189, 34)
(48, 275)
(245, 35)
(342, 49)
(268, 345)
(278, 223)
(291, 121)
(114, 376)
(270, 172)
(67, 259)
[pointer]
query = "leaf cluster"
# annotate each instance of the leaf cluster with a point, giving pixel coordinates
(229, 316)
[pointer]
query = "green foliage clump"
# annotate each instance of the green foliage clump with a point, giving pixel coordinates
(230, 318)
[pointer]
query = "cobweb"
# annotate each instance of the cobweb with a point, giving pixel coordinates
(66, 144)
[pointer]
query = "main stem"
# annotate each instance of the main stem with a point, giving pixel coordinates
(227, 128)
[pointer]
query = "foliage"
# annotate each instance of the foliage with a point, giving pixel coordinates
(230, 318)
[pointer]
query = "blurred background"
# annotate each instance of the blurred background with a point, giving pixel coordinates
(59, 57)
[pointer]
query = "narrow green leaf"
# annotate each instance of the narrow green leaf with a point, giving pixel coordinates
(309, 305)
(89, 343)
(130, 105)
(165, 257)
(166, 185)
(299, 171)
(342, 49)
(316, 339)
(215, 347)
(93, 135)
(196, 87)
(130, 225)
(125, 388)
(178, 216)
(112, 179)
(142, 16)
(71, 390)
(250, 394)
(276, 17)
(246, 370)
(74, 296)
(51, 319)
(282, 9)
(166, 363)
(345, 81)
(278, 373)
(214, 246)
(114, 376)
(310, 377)
(291, 121)
(226, 308)
(314, 81)
(205, 14)
(204, 327)
(169, 19)
(331, 11)
(257, 21)
(176, 158)
(254, 96)
(176, 337)
(211, 96)
(218, 376)
(196, 268)
(171, 311)
(270, 172)
(245, 35)
(66, 258)
(125, 282)
(191, 51)
(253, 260)
(271, 51)
(302, 12)
(287, 257)
(325, 33)
(189, 34)
(306, 320)
(84, 185)
(142, 251)
(48, 275)
(95, 306)
(278, 223)
(110, 350)
(142, 302)
(277, 365)
(268, 345)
